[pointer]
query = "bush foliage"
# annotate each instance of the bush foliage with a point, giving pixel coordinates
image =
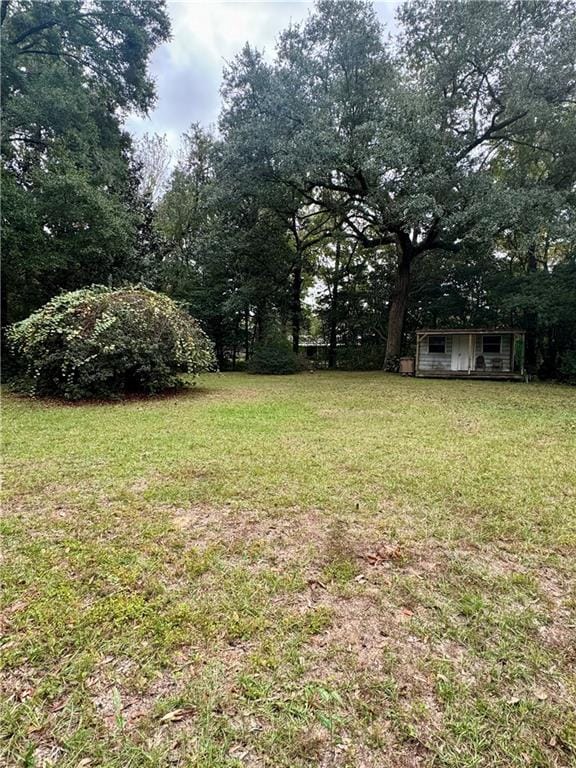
(364, 358)
(567, 368)
(273, 355)
(102, 342)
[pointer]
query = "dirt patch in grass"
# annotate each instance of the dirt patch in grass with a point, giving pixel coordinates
(121, 704)
(206, 524)
(360, 577)
(283, 538)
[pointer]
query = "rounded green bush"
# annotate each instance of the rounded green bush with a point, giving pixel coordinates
(274, 355)
(103, 342)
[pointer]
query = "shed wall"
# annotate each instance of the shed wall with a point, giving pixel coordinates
(435, 361)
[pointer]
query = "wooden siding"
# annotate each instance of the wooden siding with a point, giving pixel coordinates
(438, 361)
(435, 361)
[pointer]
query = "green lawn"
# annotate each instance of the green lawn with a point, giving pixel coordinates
(319, 570)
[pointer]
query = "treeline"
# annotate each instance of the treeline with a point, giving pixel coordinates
(72, 211)
(357, 187)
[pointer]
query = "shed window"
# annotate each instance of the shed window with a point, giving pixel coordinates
(437, 344)
(492, 344)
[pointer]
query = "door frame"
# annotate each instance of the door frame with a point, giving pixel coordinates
(460, 356)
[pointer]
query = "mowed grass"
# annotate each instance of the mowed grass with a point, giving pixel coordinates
(318, 570)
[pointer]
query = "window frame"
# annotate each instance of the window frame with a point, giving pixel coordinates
(437, 343)
(492, 351)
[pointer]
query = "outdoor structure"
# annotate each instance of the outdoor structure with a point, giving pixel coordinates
(477, 353)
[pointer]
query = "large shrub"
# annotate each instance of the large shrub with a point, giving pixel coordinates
(273, 355)
(363, 358)
(101, 342)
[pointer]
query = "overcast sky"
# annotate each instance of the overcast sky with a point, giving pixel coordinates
(205, 35)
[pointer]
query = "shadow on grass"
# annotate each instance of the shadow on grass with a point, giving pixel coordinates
(175, 393)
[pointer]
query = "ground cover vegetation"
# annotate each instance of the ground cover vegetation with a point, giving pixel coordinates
(358, 187)
(328, 569)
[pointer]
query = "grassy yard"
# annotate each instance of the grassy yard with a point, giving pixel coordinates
(319, 570)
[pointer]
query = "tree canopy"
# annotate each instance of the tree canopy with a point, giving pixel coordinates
(70, 71)
(413, 145)
(358, 185)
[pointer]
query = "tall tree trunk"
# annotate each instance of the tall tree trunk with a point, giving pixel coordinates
(398, 303)
(3, 319)
(531, 318)
(333, 336)
(219, 350)
(296, 304)
(3, 302)
(247, 333)
(215, 332)
(260, 322)
(3, 10)
(235, 344)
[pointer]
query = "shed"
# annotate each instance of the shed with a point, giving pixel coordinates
(475, 353)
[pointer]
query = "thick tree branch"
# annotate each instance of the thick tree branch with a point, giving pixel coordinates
(491, 133)
(369, 242)
(34, 31)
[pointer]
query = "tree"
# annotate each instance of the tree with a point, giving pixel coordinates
(194, 268)
(495, 77)
(228, 255)
(409, 140)
(542, 233)
(153, 156)
(70, 70)
(183, 211)
(106, 42)
(249, 162)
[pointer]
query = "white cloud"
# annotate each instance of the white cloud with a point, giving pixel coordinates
(205, 35)
(217, 30)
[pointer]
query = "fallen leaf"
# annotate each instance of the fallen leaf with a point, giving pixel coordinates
(316, 583)
(176, 715)
(389, 552)
(238, 752)
(384, 553)
(541, 695)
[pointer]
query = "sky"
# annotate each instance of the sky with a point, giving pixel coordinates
(206, 34)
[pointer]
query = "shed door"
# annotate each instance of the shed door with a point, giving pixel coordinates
(460, 353)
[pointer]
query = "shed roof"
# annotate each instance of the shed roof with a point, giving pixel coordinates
(448, 331)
